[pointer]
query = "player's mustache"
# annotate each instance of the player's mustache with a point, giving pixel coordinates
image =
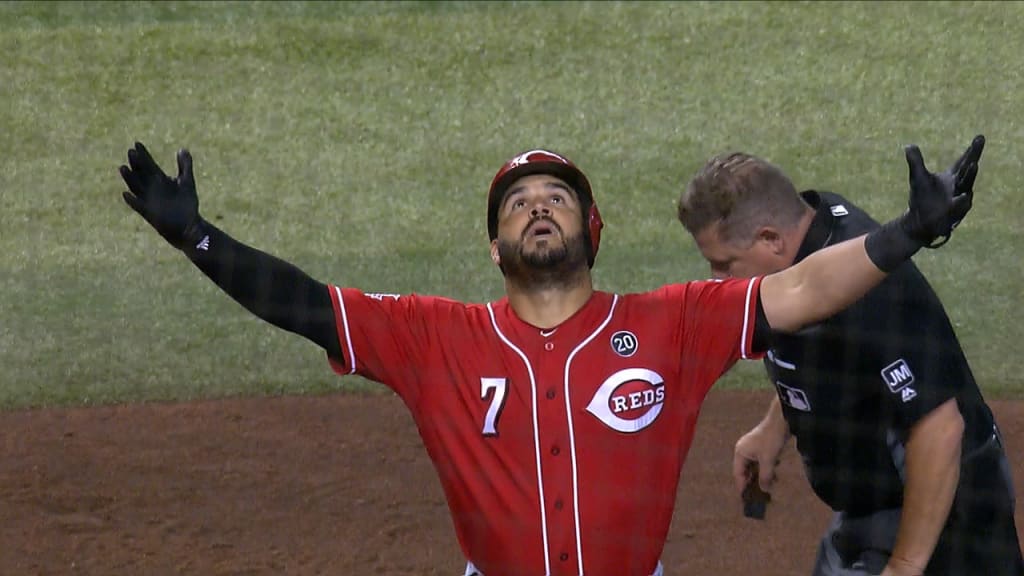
(537, 219)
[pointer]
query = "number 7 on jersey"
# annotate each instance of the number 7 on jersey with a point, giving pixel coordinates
(496, 388)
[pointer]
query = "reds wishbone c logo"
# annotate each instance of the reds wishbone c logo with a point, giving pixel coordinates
(525, 157)
(629, 400)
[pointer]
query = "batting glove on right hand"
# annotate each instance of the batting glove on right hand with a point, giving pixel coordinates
(938, 202)
(171, 206)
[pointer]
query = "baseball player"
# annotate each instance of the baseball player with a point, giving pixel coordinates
(557, 417)
(892, 428)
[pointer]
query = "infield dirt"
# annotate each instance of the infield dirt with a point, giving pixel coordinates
(335, 484)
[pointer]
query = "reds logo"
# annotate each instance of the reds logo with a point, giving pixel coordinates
(524, 158)
(629, 400)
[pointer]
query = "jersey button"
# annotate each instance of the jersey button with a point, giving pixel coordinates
(549, 346)
(558, 504)
(563, 557)
(555, 450)
(551, 394)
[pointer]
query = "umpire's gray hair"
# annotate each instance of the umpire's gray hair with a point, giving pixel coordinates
(743, 192)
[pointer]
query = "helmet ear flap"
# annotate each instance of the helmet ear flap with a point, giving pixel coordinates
(594, 225)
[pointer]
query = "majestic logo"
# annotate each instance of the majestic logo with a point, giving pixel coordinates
(629, 400)
(897, 375)
(624, 343)
(795, 398)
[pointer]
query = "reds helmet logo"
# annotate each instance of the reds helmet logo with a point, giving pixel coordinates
(524, 158)
(629, 400)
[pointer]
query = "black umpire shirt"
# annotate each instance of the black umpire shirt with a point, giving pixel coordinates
(852, 386)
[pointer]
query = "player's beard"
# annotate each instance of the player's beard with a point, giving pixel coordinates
(544, 267)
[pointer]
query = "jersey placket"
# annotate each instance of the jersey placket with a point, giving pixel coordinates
(556, 457)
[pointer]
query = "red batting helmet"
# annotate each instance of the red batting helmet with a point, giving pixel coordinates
(547, 162)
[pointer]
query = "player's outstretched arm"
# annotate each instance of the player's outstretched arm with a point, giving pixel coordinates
(829, 280)
(269, 287)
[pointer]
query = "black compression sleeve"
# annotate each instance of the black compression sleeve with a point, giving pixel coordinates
(269, 287)
(891, 245)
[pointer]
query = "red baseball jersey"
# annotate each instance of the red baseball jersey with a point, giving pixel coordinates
(559, 451)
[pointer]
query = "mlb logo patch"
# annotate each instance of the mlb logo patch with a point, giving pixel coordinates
(795, 398)
(897, 376)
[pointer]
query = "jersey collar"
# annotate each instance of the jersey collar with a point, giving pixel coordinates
(592, 313)
(820, 232)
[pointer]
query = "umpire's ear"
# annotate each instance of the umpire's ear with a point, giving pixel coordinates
(772, 237)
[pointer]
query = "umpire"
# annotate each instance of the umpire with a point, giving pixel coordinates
(893, 431)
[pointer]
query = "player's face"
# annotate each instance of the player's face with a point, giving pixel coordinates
(740, 258)
(540, 224)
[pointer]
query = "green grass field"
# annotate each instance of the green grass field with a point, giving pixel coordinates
(358, 140)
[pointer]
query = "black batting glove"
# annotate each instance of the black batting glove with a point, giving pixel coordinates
(938, 202)
(171, 206)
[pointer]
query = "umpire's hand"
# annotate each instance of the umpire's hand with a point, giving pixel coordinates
(170, 206)
(938, 202)
(754, 460)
